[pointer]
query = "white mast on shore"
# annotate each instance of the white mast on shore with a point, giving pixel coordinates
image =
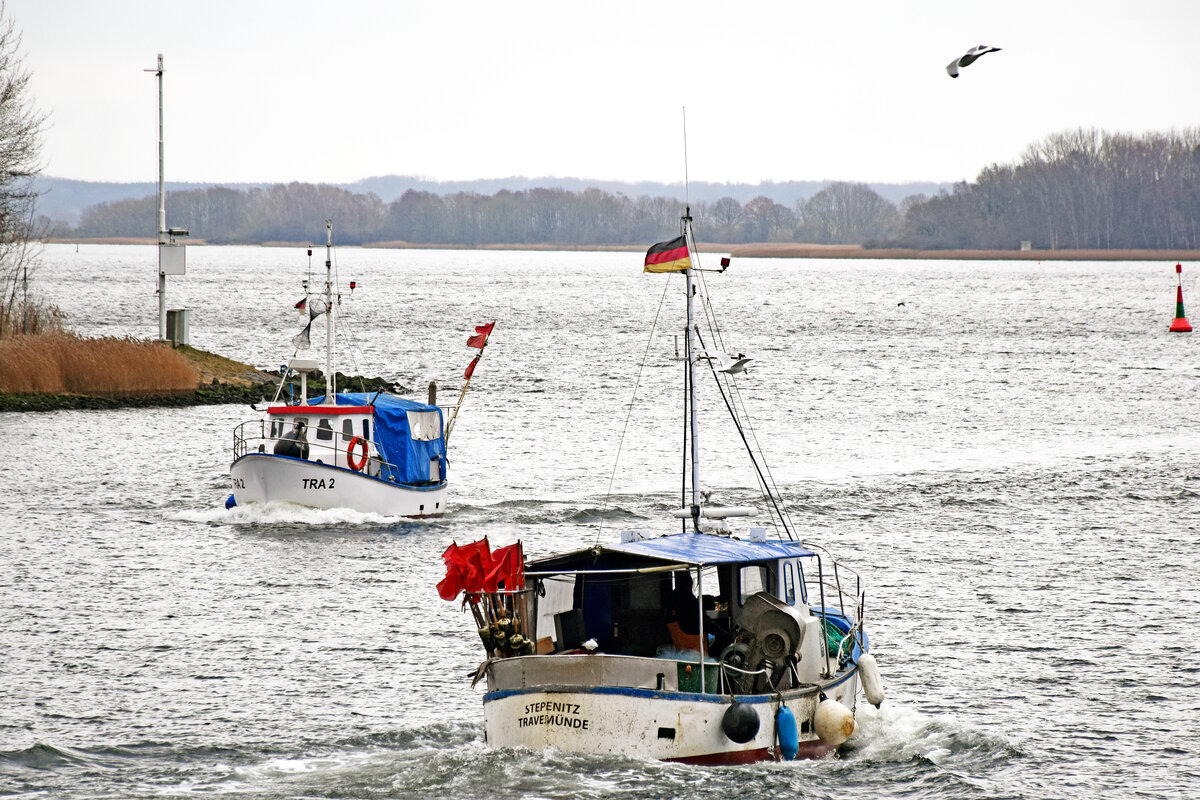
(171, 256)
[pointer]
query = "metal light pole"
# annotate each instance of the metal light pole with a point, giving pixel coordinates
(171, 256)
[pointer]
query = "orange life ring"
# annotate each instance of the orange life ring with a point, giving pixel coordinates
(356, 466)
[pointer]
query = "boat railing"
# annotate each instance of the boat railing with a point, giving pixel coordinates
(838, 587)
(253, 437)
(836, 591)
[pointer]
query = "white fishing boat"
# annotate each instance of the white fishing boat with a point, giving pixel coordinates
(371, 451)
(697, 646)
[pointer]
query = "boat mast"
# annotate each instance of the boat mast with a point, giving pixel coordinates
(691, 372)
(329, 381)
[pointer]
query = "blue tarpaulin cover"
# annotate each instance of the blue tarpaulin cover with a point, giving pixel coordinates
(702, 548)
(393, 437)
(692, 549)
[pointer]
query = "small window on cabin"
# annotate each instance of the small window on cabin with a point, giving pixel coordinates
(347, 429)
(367, 429)
(276, 428)
(751, 581)
(324, 431)
(789, 584)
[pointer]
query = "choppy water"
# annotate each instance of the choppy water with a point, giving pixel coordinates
(1011, 460)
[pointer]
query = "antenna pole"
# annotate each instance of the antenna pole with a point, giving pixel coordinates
(162, 211)
(691, 378)
(687, 198)
(329, 382)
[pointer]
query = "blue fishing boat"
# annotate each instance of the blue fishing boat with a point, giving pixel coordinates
(373, 452)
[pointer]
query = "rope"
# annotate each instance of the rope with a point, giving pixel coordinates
(766, 480)
(629, 410)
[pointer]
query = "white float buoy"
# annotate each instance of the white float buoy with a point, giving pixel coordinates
(833, 722)
(872, 684)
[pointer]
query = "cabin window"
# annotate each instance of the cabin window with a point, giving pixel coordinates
(347, 429)
(789, 584)
(324, 431)
(425, 426)
(751, 581)
(710, 587)
(367, 429)
(276, 428)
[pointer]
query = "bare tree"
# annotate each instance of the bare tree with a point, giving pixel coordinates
(848, 213)
(21, 127)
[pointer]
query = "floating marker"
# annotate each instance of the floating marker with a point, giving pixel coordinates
(1180, 323)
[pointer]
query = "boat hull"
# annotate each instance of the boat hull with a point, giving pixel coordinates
(663, 725)
(267, 478)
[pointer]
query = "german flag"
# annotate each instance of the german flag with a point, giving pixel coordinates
(669, 256)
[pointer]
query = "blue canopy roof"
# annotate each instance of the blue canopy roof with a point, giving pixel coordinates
(393, 434)
(706, 548)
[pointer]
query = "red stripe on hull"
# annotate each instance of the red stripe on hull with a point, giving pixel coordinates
(321, 410)
(813, 748)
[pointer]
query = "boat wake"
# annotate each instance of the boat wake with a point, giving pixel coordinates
(897, 734)
(285, 514)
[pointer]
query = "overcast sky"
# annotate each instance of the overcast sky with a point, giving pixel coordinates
(282, 90)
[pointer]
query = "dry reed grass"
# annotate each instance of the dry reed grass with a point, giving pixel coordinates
(36, 317)
(791, 250)
(62, 363)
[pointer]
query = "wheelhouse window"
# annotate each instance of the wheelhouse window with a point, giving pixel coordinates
(324, 430)
(789, 584)
(347, 429)
(276, 428)
(752, 579)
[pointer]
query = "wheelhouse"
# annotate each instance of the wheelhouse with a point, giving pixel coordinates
(633, 598)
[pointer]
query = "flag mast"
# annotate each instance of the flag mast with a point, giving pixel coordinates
(689, 347)
(470, 373)
(330, 383)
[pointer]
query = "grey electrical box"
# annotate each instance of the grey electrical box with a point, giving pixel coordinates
(172, 259)
(177, 325)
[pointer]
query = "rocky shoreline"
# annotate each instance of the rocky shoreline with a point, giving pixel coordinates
(220, 394)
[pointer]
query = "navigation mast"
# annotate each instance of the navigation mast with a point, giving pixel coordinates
(330, 384)
(172, 259)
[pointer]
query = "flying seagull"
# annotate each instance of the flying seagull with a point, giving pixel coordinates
(733, 364)
(969, 58)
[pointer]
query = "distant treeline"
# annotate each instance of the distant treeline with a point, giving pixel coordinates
(1085, 189)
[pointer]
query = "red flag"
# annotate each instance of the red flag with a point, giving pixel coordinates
(478, 340)
(466, 568)
(449, 586)
(478, 562)
(471, 368)
(301, 304)
(485, 329)
(508, 567)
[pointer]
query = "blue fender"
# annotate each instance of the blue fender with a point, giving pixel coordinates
(787, 733)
